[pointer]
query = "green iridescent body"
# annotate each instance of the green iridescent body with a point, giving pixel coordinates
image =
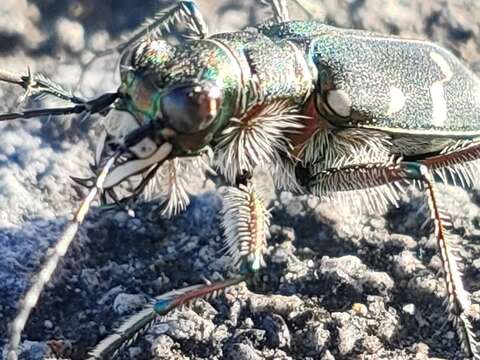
(438, 98)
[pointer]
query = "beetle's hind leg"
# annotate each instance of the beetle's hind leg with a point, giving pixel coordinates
(459, 162)
(364, 176)
(246, 224)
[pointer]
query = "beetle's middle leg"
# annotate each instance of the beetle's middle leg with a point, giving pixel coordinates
(246, 224)
(363, 176)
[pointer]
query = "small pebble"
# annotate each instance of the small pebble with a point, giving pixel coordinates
(48, 324)
(360, 309)
(70, 34)
(409, 309)
(127, 303)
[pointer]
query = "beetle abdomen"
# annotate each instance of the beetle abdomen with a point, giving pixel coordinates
(394, 85)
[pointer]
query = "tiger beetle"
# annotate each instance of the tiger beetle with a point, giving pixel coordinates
(330, 110)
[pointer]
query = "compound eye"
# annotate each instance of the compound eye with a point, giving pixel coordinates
(189, 108)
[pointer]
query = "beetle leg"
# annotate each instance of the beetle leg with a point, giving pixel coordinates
(138, 324)
(37, 84)
(371, 175)
(246, 223)
(101, 104)
(55, 255)
(458, 299)
(457, 162)
(157, 27)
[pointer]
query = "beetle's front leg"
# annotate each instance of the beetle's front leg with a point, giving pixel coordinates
(36, 84)
(159, 25)
(246, 223)
(373, 175)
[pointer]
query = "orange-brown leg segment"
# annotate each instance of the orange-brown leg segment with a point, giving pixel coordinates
(375, 175)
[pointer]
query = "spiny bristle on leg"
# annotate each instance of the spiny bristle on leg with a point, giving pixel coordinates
(284, 176)
(458, 299)
(246, 223)
(459, 163)
(176, 197)
(256, 138)
(334, 149)
(171, 182)
(374, 192)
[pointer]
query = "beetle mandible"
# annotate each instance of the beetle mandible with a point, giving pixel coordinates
(333, 110)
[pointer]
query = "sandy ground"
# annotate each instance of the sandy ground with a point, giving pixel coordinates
(339, 285)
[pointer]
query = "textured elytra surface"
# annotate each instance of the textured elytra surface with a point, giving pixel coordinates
(341, 283)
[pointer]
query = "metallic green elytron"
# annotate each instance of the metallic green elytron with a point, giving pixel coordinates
(329, 110)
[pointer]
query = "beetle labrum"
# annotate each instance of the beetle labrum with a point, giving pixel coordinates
(292, 94)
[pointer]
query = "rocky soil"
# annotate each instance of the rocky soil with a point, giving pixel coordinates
(338, 285)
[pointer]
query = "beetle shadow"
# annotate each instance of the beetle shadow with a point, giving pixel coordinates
(113, 254)
(22, 250)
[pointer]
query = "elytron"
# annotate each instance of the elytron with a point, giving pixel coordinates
(328, 110)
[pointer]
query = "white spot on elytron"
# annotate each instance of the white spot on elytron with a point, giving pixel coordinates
(443, 64)
(437, 93)
(397, 100)
(340, 102)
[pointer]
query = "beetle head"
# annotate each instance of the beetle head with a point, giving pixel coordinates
(184, 103)
(175, 115)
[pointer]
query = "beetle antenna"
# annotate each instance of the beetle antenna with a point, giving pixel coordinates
(55, 254)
